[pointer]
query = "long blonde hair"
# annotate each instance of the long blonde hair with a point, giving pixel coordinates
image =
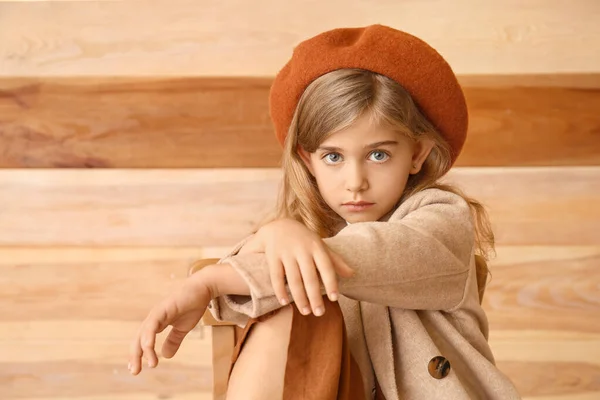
(335, 101)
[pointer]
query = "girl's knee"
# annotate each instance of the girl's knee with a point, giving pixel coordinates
(259, 371)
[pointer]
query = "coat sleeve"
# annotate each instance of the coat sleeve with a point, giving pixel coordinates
(418, 259)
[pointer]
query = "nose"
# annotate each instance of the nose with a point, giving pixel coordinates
(356, 178)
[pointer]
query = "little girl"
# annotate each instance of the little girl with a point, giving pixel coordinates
(367, 281)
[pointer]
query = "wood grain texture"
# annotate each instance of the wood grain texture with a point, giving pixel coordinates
(59, 287)
(67, 315)
(92, 284)
(218, 122)
(137, 123)
(145, 84)
(216, 208)
(65, 349)
(545, 288)
(532, 126)
(70, 380)
(238, 38)
(73, 363)
(543, 380)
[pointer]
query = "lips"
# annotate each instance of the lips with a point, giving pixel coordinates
(359, 206)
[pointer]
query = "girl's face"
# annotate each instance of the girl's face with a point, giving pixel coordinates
(365, 163)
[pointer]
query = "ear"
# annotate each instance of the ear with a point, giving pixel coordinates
(421, 152)
(305, 156)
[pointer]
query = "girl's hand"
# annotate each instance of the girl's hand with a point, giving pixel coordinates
(182, 310)
(296, 253)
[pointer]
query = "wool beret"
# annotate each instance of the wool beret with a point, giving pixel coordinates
(406, 59)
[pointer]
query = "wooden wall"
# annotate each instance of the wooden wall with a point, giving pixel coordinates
(135, 137)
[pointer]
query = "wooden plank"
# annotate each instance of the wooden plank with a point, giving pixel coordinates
(562, 346)
(74, 380)
(544, 288)
(535, 206)
(216, 208)
(237, 38)
(93, 341)
(172, 208)
(545, 364)
(42, 284)
(555, 381)
(138, 395)
(60, 288)
(137, 123)
(84, 355)
(86, 359)
(532, 126)
(218, 122)
(67, 315)
(570, 396)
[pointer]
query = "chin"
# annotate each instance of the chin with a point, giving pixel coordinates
(361, 218)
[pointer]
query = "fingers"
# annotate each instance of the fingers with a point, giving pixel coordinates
(303, 279)
(182, 311)
(140, 348)
(327, 272)
(148, 341)
(312, 285)
(135, 356)
(173, 342)
(277, 273)
(296, 286)
(143, 345)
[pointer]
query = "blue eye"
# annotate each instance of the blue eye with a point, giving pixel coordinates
(327, 158)
(382, 157)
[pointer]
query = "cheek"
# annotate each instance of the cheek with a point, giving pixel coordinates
(397, 172)
(326, 183)
(391, 182)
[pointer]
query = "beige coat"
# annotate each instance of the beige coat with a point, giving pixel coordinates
(413, 297)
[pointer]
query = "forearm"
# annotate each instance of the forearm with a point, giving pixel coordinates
(222, 279)
(424, 249)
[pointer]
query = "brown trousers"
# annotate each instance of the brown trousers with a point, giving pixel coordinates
(319, 364)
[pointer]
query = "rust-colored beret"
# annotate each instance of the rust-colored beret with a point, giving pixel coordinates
(408, 60)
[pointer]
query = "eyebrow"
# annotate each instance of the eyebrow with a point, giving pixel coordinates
(369, 146)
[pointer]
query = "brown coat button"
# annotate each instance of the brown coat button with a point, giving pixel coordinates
(439, 367)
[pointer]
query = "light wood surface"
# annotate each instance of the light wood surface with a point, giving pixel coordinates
(214, 208)
(165, 88)
(239, 38)
(218, 122)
